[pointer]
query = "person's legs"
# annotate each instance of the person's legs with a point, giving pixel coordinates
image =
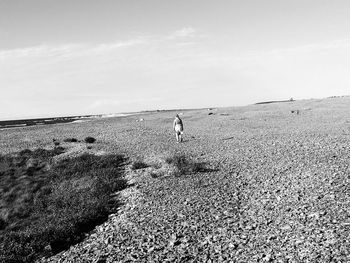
(177, 136)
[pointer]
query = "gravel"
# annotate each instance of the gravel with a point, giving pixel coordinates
(278, 190)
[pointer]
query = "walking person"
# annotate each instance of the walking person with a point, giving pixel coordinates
(178, 128)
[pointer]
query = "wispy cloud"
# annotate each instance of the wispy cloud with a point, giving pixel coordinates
(182, 33)
(107, 47)
(109, 103)
(81, 49)
(41, 50)
(313, 47)
(104, 102)
(69, 50)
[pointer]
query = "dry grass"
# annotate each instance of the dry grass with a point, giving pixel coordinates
(184, 165)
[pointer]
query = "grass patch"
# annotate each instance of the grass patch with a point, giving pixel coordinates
(185, 165)
(89, 139)
(39, 154)
(138, 165)
(46, 205)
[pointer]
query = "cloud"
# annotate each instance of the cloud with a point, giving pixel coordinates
(105, 104)
(84, 49)
(110, 47)
(313, 47)
(69, 50)
(41, 50)
(182, 33)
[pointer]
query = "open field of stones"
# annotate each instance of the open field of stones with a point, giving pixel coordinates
(261, 183)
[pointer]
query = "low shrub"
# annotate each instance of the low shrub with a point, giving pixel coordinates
(89, 139)
(185, 165)
(53, 208)
(70, 140)
(138, 165)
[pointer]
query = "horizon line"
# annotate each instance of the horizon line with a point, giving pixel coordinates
(157, 110)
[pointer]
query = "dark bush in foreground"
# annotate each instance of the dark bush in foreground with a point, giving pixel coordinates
(89, 139)
(70, 140)
(138, 165)
(185, 165)
(53, 207)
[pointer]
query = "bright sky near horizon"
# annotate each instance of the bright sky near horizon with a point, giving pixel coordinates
(74, 57)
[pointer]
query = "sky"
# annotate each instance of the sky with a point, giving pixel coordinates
(77, 57)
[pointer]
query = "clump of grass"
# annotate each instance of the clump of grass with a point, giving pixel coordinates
(40, 153)
(89, 139)
(185, 165)
(177, 160)
(53, 207)
(55, 142)
(138, 165)
(70, 140)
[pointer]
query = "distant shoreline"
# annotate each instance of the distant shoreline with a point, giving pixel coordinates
(10, 124)
(22, 123)
(274, 101)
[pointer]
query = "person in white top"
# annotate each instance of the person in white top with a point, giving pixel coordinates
(178, 128)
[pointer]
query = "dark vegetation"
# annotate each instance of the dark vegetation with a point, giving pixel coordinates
(185, 165)
(89, 139)
(45, 207)
(70, 140)
(138, 165)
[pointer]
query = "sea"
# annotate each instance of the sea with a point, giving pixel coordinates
(10, 124)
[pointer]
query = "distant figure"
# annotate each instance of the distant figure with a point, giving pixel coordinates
(178, 128)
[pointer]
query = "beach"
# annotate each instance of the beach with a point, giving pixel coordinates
(273, 185)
